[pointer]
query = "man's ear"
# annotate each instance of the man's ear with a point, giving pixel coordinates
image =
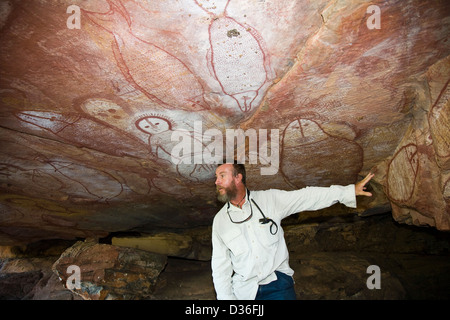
(239, 177)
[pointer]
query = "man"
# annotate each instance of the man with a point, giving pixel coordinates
(250, 259)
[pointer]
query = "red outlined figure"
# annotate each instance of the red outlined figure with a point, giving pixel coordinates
(86, 183)
(402, 173)
(236, 57)
(159, 75)
(116, 114)
(37, 174)
(160, 130)
(82, 131)
(439, 121)
(27, 174)
(446, 192)
(311, 156)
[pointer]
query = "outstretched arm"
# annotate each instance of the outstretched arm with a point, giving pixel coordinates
(360, 186)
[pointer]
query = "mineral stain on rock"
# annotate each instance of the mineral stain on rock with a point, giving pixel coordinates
(233, 33)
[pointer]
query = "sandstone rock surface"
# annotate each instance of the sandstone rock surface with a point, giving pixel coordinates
(88, 113)
(108, 272)
(330, 261)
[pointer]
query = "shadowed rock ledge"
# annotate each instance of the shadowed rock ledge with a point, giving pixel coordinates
(330, 261)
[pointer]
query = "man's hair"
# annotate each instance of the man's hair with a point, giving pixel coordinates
(237, 168)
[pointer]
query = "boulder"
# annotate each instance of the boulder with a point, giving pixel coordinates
(109, 272)
(192, 244)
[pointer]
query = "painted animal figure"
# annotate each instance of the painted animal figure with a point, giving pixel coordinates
(158, 74)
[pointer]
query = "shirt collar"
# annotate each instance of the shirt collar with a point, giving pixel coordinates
(246, 198)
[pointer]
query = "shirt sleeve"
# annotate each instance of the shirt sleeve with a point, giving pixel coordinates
(222, 269)
(313, 198)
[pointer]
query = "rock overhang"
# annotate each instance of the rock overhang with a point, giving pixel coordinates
(88, 116)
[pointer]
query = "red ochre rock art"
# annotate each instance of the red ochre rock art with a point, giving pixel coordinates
(79, 130)
(439, 119)
(402, 173)
(161, 141)
(87, 115)
(304, 140)
(154, 71)
(415, 182)
(237, 58)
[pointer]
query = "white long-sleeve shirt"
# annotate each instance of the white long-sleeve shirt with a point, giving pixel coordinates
(246, 255)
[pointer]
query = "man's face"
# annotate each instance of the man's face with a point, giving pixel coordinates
(225, 183)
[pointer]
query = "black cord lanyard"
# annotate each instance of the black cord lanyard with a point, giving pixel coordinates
(263, 220)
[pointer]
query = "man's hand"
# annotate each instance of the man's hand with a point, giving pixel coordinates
(360, 186)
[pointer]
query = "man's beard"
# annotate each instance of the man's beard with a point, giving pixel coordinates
(229, 194)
